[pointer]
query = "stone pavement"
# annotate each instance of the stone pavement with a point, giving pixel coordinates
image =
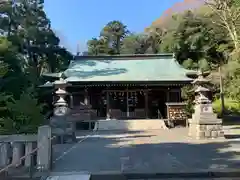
(145, 152)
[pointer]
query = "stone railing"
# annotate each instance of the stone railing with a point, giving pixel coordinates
(26, 151)
(13, 147)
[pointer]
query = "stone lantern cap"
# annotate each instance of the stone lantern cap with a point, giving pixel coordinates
(200, 80)
(201, 89)
(203, 73)
(60, 91)
(60, 82)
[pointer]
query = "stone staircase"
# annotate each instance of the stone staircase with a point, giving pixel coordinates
(131, 125)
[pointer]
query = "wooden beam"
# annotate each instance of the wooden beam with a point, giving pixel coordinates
(124, 90)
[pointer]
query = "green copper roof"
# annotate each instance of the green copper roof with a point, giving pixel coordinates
(126, 68)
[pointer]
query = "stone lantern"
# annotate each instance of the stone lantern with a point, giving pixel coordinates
(61, 106)
(204, 123)
(60, 124)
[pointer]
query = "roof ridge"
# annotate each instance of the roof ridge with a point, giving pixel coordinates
(122, 56)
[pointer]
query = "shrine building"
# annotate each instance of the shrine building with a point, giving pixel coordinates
(123, 86)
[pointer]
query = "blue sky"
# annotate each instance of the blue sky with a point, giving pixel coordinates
(76, 21)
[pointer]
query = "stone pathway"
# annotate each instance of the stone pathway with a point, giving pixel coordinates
(146, 152)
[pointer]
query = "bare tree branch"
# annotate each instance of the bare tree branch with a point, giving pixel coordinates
(228, 17)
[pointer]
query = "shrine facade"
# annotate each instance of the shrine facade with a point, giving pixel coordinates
(122, 87)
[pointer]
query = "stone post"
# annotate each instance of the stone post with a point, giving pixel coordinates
(204, 123)
(4, 148)
(29, 146)
(18, 150)
(44, 148)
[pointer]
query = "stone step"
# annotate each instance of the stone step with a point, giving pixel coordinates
(69, 176)
(131, 125)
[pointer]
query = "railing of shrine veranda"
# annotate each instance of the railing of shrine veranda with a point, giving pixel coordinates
(24, 155)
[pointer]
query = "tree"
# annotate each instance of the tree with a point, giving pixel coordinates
(28, 47)
(154, 39)
(115, 31)
(93, 46)
(14, 80)
(99, 46)
(4, 123)
(28, 28)
(194, 37)
(227, 14)
(134, 44)
(232, 80)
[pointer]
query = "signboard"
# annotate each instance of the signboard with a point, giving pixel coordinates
(206, 109)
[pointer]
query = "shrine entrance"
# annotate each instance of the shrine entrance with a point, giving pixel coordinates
(122, 102)
(126, 104)
(158, 99)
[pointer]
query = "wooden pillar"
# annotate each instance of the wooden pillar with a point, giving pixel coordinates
(86, 100)
(168, 94)
(108, 105)
(146, 102)
(71, 100)
(168, 99)
(127, 103)
(179, 95)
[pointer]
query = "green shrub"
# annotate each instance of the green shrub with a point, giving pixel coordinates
(231, 106)
(24, 116)
(187, 95)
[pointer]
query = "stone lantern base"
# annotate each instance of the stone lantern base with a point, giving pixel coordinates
(205, 129)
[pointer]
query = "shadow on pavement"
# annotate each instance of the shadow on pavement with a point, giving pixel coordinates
(136, 153)
(232, 136)
(229, 120)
